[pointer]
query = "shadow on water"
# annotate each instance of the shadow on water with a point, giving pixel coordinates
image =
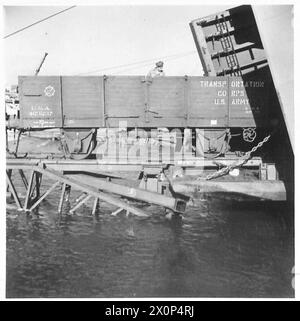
(220, 249)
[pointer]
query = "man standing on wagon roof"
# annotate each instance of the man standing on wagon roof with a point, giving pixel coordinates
(157, 71)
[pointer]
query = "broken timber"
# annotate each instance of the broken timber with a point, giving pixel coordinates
(90, 186)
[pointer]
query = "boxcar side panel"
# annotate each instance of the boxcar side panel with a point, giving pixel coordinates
(87, 102)
(124, 96)
(40, 101)
(248, 102)
(166, 102)
(82, 101)
(208, 102)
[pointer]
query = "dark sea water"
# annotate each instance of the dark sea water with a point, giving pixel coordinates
(218, 249)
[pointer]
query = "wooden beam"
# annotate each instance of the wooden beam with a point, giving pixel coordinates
(62, 198)
(119, 210)
(92, 191)
(44, 196)
(38, 178)
(80, 197)
(29, 190)
(23, 177)
(13, 190)
(8, 172)
(128, 192)
(95, 206)
(68, 192)
(85, 199)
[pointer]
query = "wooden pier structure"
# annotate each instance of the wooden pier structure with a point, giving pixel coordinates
(86, 177)
(120, 184)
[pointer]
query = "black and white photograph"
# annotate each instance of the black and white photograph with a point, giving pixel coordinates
(149, 152)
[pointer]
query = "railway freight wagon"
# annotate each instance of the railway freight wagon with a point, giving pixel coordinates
(225, 129)
(80, 106)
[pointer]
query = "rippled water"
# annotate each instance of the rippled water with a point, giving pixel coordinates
(220, 249)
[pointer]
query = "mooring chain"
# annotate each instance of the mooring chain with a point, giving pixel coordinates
(237, 163)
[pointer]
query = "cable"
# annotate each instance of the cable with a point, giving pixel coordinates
(39, 21)
(148, 64)
(135, 63)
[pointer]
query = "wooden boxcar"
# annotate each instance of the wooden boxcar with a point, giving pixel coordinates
(92, 102)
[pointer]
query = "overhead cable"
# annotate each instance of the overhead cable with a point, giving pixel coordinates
(39, 21)
(142, 62)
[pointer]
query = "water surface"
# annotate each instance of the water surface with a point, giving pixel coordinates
(219, 249)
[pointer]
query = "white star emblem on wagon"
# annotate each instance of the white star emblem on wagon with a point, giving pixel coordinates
(49, 91)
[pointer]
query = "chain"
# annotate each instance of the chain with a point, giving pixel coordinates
(238, 163)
